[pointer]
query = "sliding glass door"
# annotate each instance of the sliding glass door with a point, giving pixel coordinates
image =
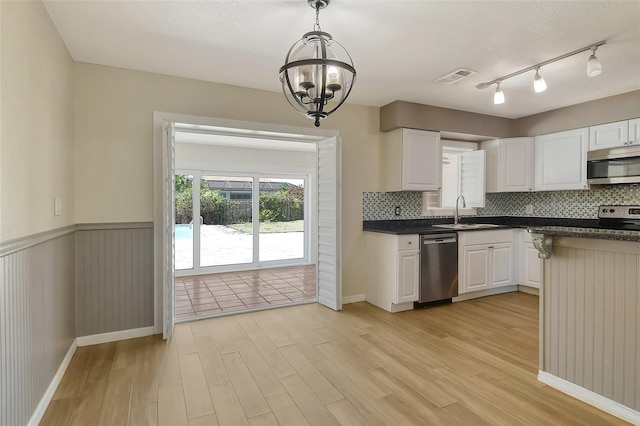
(235, 222)
(226, 220)
(282, 223)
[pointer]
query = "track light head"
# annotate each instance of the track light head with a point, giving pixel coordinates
(498, 97)
(594, 67)
(539, 85)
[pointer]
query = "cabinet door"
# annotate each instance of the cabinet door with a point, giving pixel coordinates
(493, 164)
(501, 256)
(608, 135)
(531, 266)
(561, 160)
(408, 263)
(475, 261)
(421, 160)
(516, 165)
(634, 131)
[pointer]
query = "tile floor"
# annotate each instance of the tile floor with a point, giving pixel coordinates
(206, 295)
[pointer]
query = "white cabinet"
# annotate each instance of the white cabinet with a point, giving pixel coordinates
(408, 263)
(485, 260)
(412, 160)
(509, 164)
(530, 263)
(613, 135)
(392, 270)
(634, 131)
(561, 160)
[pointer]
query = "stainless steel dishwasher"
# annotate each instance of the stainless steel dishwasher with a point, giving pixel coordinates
(438, 267)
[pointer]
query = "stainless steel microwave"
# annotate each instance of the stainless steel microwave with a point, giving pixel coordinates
(614, 165)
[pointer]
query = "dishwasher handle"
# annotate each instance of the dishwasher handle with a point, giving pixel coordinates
(439, 240)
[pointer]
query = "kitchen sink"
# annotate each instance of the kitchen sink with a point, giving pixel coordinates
(467, 226)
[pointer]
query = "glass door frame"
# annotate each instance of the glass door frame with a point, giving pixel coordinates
(197, 269)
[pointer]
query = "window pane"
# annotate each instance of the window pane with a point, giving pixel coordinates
(226, 229)
(281, 219)
(184, 225)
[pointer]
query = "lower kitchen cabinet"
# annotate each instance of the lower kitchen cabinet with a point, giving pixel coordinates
(408, 263)
(530, 263)
(486, 260)
(392, 271)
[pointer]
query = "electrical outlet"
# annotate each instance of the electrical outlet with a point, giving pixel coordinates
(529, 209)
(396, 211)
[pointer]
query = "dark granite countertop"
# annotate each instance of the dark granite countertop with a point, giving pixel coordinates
(577, 232)
(580, 228)
(425, 226)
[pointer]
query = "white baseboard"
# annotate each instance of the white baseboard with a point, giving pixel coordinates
(51, 389)
(96, 339)
(353, 299)
(529, 290)
(590, 397)
(483, 293)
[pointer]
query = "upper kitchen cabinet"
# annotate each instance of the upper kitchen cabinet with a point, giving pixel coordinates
(413, 160)
(561, 160)
(613, 135)
(509, 164)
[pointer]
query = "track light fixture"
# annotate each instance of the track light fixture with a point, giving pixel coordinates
(594, 68)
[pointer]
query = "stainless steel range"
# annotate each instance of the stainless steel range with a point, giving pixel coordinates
(620, 217)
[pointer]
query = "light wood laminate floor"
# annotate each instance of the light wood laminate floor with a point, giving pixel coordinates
(470, 363)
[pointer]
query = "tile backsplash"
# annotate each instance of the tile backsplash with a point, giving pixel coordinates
(381, 205)
(566, 204)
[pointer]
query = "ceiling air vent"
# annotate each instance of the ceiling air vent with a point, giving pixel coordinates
(455, 76)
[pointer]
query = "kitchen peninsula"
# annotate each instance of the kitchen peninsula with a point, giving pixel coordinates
(589, 328)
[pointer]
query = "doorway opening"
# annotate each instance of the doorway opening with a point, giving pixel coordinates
(214, 231)
(228, 148)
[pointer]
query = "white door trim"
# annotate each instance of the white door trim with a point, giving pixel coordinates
(254, 129)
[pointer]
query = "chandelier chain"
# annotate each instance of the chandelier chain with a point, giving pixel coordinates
(316, 26)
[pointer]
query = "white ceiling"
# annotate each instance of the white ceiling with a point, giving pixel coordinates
(399, 48)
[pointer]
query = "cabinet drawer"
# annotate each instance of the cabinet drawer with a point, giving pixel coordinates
(487, 237)
(408, 242)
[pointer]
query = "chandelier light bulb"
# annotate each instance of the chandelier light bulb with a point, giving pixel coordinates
(498, 97)
(539, 85)
(594, 67)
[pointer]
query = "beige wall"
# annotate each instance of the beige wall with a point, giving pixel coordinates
(417, 116)
(114, 145)
(606, 110)
(36, 135)
(427, 117)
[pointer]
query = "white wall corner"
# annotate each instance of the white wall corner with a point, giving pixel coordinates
(353, 299)
(585, 395)
(96, 339)
(51, 389)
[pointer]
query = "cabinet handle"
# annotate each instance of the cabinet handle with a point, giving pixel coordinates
(491, 247)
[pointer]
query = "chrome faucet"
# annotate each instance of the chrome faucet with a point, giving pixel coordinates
(464, 205)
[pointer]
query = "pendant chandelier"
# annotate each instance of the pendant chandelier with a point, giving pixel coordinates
(318, 73)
